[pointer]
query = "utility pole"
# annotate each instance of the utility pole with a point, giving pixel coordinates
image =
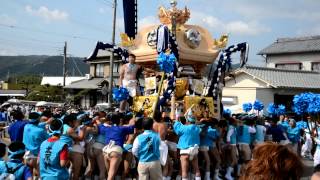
(112, 53)
(64, 63)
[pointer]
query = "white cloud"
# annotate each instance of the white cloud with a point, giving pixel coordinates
(214, 24)
(147, 21)
(244, 28)
(46, 14)
(7, 20)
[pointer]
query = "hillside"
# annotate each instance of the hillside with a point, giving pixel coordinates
(40, 65)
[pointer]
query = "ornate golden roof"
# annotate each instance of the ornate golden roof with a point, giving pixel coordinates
(167, 16)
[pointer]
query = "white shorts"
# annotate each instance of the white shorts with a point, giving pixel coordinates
(131, 86)
(28, 156)
(78, 148)
(112, 148)
(172, 146)
(204, 148)
(192, 152)
(163, 153)
(98, 145)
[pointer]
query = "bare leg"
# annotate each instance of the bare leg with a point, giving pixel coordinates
(184, 159)
(101, 164)
(195, 166)
(115, 160)
(76, 159)
(123, 105)
(207, 159)
(127, 162)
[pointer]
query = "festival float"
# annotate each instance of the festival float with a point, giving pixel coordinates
(182, 53)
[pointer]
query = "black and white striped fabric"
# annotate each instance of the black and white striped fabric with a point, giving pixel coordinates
(224, 65)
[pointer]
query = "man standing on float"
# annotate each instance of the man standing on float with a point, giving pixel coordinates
(128, 78)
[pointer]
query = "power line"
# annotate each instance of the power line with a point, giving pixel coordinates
(27, 43)
(76, 65)
(47, 32)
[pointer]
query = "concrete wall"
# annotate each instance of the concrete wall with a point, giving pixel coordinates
(305, 58)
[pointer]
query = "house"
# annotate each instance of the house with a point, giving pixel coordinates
(292, 67)
(301, 53)
(58, 80)
(93, 89)
(267, 85)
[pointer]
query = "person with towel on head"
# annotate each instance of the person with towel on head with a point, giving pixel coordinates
(146, 149)
(32, 138)
(189, 141)
(53, 155)
(14, 168)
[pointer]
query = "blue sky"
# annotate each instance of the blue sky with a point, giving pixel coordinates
(41, 26)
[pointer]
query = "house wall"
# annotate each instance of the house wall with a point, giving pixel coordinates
(244, 95)
(92, 70)
(305, 58)
(266, 96)
(106, 70)
(245, 88)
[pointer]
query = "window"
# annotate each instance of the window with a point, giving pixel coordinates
(115, 67)
(229, 100)
(289, 66)
(315, 66)
(99, 70)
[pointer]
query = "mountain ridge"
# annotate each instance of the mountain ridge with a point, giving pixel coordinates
(40, 65)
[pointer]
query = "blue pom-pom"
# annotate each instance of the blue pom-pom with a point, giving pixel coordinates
(301, 103)
(247, 107)
(281, 110)
(314, 104)
(272, 110)
(120, 94)
(227, 112)
(166, 62)
(257, 105)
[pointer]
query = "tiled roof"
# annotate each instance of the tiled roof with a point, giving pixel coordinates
(85, 84)
(58, 80)
(280, 78)
(90, 83)
(293, 45)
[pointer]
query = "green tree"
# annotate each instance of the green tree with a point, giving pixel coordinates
(46, 93)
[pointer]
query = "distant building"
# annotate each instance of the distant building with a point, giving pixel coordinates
(301, 53)
(58, 80)
(292, 67)
(93, 89)
(267, 85)
(8, 94)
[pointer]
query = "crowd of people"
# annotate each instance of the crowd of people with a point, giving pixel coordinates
(58, 144)
(62, 143)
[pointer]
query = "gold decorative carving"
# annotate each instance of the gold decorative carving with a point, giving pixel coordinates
(180, 16)
(222, 42)
(126, 41)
